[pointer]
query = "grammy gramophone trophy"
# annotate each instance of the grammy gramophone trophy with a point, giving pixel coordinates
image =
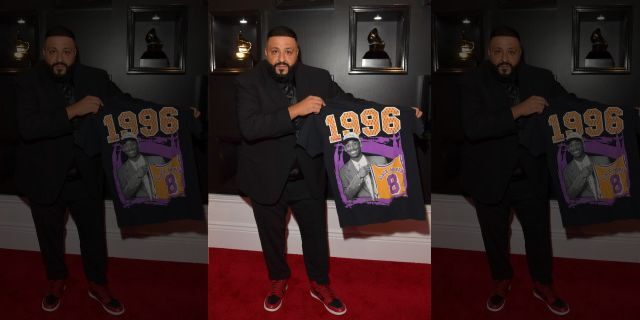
(376, 57)
(20, 54)
(154, 57)
(598, 57)
(242, 52)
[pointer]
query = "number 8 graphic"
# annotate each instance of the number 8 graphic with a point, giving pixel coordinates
(172, 187)
(616, 183)
(392, 181)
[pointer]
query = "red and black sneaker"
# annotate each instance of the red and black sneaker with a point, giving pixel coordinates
(101, 294)
(498, 295)
(323, 293)
(555, 304)
(53, 298)
(273, 301)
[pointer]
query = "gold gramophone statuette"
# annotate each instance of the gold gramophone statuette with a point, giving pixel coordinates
(243, 48)
(466, 49)
(22, 50)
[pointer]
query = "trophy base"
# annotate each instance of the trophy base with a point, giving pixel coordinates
(598, 63)
(376, 63)
(154, 63)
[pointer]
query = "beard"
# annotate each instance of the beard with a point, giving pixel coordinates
(504, 69)
(281, 74)
(59, 73)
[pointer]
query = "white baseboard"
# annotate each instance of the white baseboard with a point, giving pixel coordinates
(18, 232)
(455, 226)
(232, 226)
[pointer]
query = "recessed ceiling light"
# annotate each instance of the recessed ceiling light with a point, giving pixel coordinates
(600, 18)
(243, 21)
(377, 17)
(155, 17)
(21, 21)
(466, 21)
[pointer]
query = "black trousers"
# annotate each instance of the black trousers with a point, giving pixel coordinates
(495, 224)
(88, 214)
(310, 214)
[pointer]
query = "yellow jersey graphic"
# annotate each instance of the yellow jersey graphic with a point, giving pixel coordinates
(168, 179)
(389, 179)
(613, 179)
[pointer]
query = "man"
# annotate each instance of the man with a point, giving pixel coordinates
(133, 176)
(54, 172)
(356, 173)
(272, 102)
(579, 175)
(500, 174)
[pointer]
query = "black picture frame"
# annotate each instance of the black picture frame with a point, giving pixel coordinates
(452, 35)
(83, 4)
(303, 4)
(393, 29)
(19, 41)
(615, 25)
(170, 24)
(225, 48)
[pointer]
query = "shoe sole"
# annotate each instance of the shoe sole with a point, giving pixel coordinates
(325, 306)
(113, 313)
(494, 309)
(57, 305)
(558, 313)
(281, 302)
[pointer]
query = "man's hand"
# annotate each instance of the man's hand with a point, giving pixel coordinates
(310, 104)
(364, 171)
(86, 105)
(196, 112)
(534, 104)
(418, 112)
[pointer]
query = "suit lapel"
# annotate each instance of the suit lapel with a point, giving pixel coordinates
(271, 87)
(525, 86)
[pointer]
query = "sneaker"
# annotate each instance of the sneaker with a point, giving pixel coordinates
(555, 304)
(273, 301)
(498, 296)
(109, 304)
(324, 294)
(52, 299)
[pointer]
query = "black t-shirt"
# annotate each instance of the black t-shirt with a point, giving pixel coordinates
(592, 154)
(147, 156)
(370, 159)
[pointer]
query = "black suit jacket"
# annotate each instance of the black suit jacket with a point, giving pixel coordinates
(268, 146)
(491, 150)
(46, 134)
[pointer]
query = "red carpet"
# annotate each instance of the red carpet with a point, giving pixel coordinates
(149, 289)
(371, 290)
(595, 290)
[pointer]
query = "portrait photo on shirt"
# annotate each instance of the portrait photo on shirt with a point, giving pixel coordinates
(370, 170)
(147, 170)
(593, 170)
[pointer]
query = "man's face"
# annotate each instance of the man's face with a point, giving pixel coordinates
(282, 53)
(504, 53)
(59, 53)
(576, 149)
(130, 148)
(352, 147)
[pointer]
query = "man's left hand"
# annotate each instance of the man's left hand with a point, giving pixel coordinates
(419, 112)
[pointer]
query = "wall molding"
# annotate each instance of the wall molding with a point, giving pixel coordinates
(455, 226)
(18, 232)
(232, 226)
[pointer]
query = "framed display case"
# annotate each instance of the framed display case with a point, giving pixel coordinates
(19, 48)
(303, 4)
(234, 41)
(156, 39)
(602, 39)
(457, 42)
(526, 4)
(379, 39)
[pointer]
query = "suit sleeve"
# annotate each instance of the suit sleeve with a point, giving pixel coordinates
(256, 124)
(478, 121)
(35, 121)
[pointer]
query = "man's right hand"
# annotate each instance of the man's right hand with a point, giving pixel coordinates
(86, 105)
(533, 104)
(310, 104)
